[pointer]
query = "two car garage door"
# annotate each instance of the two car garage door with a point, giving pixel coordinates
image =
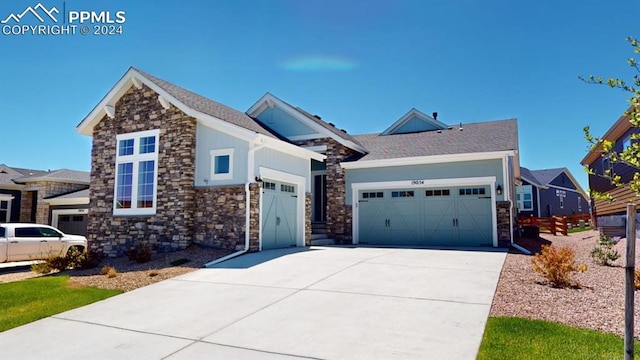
(455, 216)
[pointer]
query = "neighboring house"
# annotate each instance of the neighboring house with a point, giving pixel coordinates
(171, 168)
(611, 213)
(550, 192)
(59, 198)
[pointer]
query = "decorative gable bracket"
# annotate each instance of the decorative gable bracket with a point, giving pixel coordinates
(110, 111)
(164, 102)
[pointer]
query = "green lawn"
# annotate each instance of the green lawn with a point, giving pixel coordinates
(516, 338)
(29, 300)
(577, 229)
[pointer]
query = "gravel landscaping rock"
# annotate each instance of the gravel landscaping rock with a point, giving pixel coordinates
(131, 275)
(598, 304)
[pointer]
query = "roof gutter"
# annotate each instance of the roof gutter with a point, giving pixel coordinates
(247, 198)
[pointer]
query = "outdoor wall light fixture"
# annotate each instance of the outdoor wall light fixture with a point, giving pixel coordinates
(258, 179)
(499, 190)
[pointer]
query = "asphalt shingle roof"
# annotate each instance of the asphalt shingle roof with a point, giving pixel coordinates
(473, 138)
(208, 106)
(19, 175)
(326, 125)
(72, 195)
(545, 176)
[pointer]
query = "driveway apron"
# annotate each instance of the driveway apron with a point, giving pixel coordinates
(307, 303)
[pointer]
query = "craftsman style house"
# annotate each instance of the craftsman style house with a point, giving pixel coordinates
(57, 197)
(171, 168)
(612, 214)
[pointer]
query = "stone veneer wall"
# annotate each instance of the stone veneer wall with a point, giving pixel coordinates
(26, 204)
(307, 217)
(220, 217)
(504, 229)
(171, 228)
(45, 189)
(338, 214)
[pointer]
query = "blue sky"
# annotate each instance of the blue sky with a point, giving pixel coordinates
(359, 64)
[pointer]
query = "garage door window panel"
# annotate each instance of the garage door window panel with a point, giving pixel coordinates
(136, 173)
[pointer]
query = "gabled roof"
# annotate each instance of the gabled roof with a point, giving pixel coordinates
(71, 195)
(543, 178)
(414, 114)
(205, 111)
(62, 175)
(208, 106)
(189, 102)
(323, 128)
(482, 137)
(526, 175)
(10, 176)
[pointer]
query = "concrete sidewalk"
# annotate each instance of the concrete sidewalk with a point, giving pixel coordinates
(317, 303)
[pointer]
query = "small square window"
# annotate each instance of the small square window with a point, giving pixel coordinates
(365, 195)
(222, 164)
(428, 193)
(445, 192)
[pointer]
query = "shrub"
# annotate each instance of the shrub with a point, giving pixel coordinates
(603, 253)
(557, 265)
(110, 271)
(41, 268)
(140, 254)
(58, 262)
(87, 259)
(179, 262)
(636, 280)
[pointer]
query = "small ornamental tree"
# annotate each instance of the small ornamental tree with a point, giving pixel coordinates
(631, 154)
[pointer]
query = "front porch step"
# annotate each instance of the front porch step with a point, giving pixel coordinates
(317, 236)
(322, 242)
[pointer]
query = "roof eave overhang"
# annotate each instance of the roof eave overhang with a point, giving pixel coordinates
(427, 160)
(621, 126)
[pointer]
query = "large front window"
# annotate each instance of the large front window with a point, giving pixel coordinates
(136, 173)
(524, 197)
(5, 209)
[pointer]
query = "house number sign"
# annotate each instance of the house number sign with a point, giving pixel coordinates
(417, 182)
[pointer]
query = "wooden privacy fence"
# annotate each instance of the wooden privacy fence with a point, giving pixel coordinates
(553, 224)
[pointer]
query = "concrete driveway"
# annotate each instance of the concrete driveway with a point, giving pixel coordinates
(314, 303)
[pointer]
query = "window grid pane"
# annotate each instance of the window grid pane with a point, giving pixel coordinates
(125, 185)
(125, 147)
(147, 145)
(145, 183)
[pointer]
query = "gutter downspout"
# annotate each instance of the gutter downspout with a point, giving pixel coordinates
(250, 177)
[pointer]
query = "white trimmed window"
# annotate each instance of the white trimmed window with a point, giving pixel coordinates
(524, 197)
(135, 190)
(222, 164)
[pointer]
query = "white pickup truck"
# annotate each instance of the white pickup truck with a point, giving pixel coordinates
(22, 242)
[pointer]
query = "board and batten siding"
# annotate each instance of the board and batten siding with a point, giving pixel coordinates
(283, 123)
(208, 139)
(463, 169)
(284, 162)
